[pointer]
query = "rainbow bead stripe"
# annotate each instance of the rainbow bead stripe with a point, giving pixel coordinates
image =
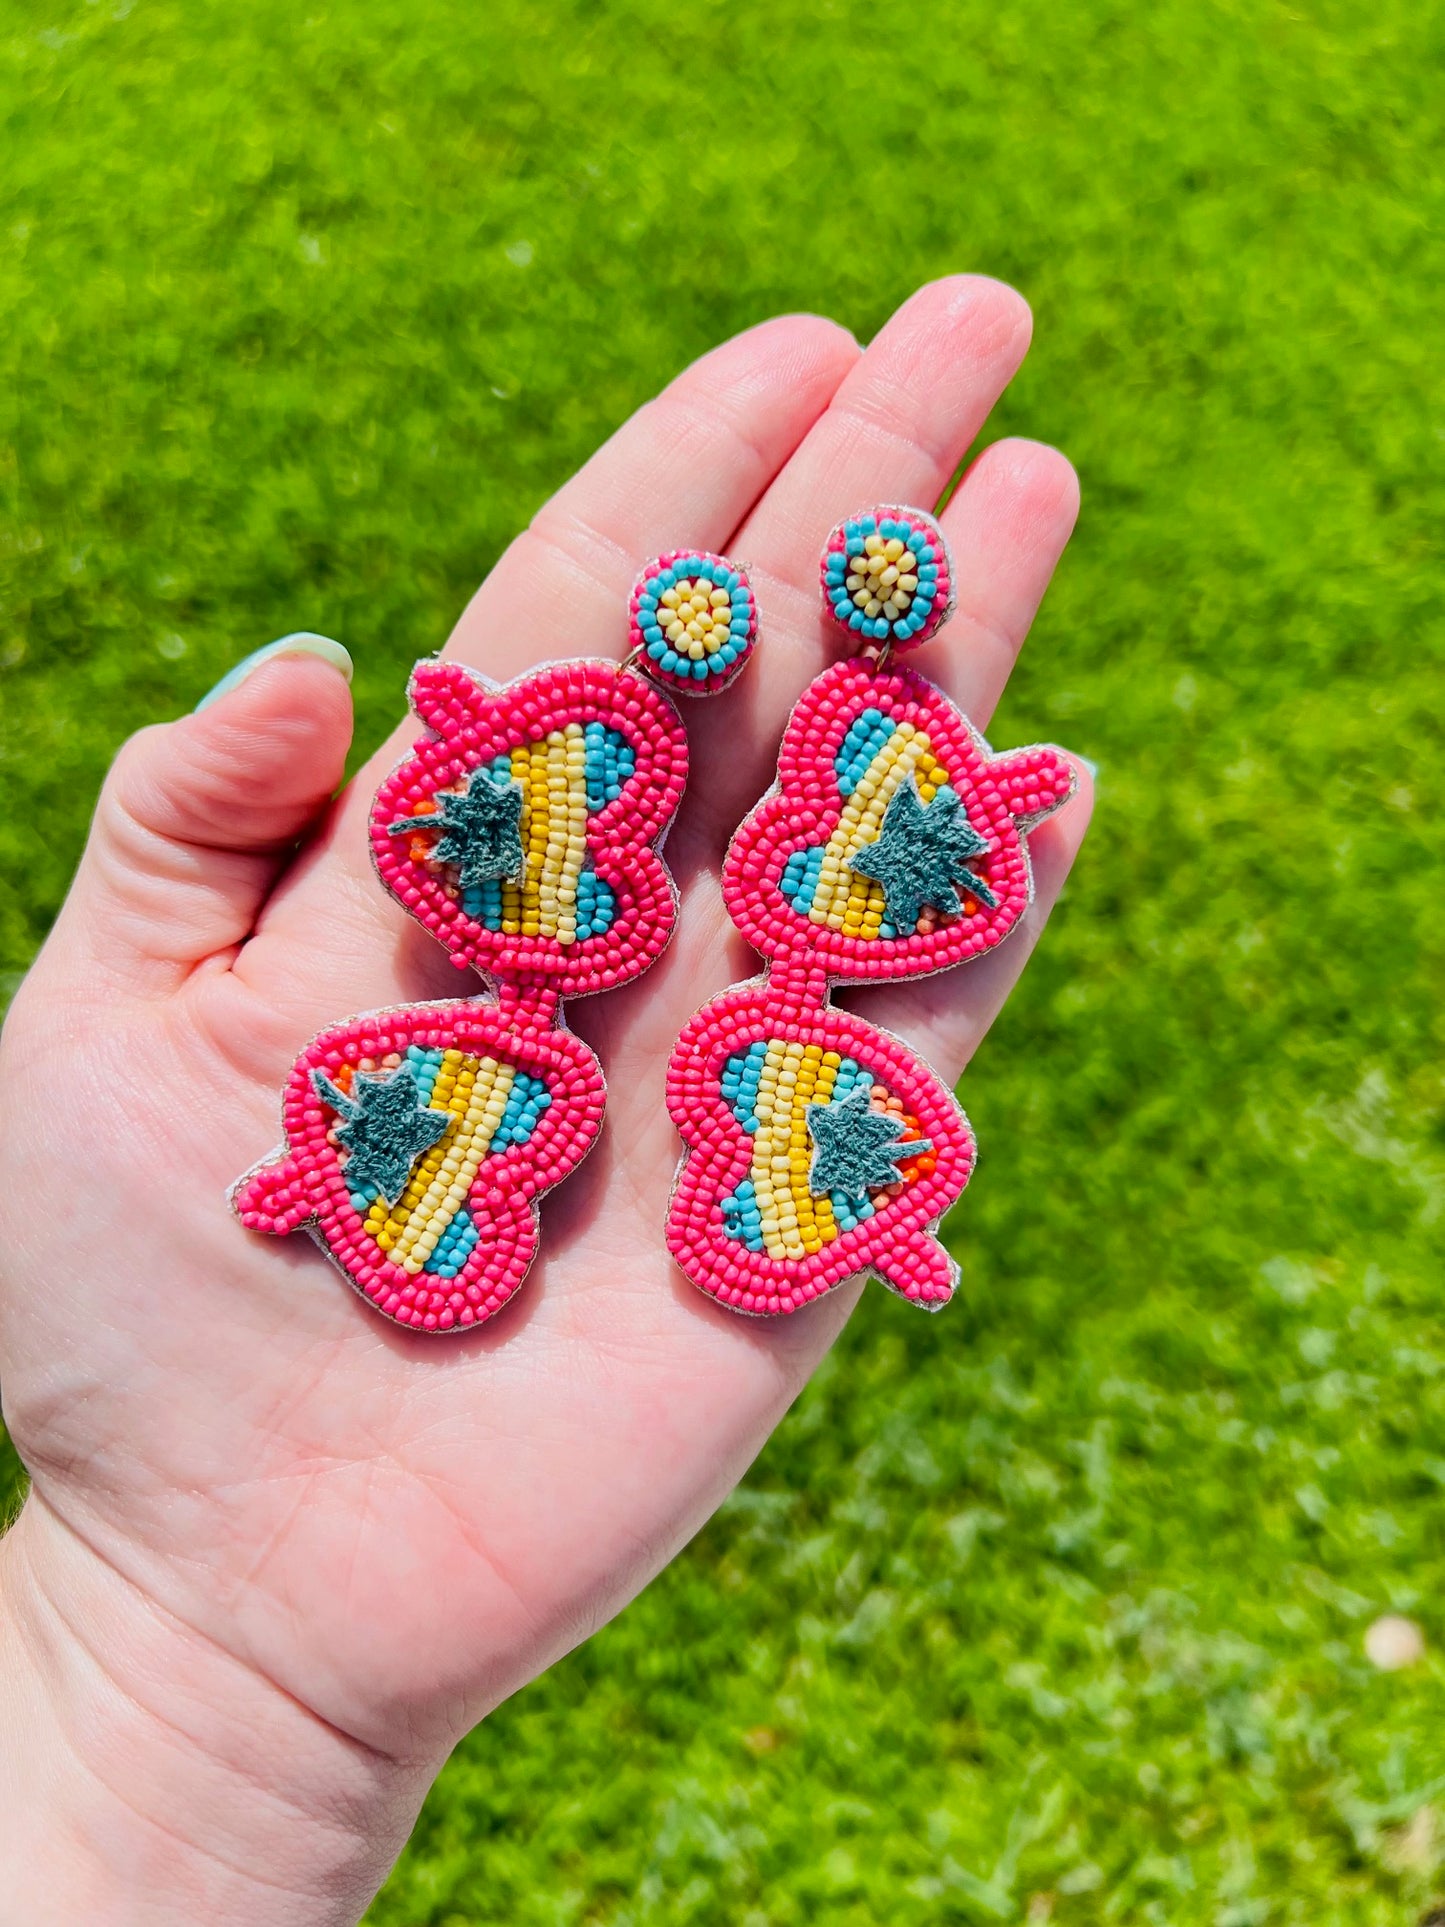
(769, 1087)
(493, 1106)
(877, 757)
(566, 777)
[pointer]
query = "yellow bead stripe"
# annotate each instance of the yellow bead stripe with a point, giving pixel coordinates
(475, 1091)
(857, 904)
(693, 615)
(794, 1222)
(512, 892)
(553, 776)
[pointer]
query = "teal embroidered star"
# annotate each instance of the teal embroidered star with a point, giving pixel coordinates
(856, 1148)
(482, 827)
(384, 1126)
(921, 855)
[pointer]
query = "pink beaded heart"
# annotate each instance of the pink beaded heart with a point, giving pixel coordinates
(893, 845)
(851, 718)
(521, 831)
(787, 1021)
(587, 740)
(525, 1099)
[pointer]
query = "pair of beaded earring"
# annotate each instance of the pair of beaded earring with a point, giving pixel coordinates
(524, 832)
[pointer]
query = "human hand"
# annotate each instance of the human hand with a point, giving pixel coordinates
(280, 1555)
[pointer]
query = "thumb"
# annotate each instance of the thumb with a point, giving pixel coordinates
(197, 817)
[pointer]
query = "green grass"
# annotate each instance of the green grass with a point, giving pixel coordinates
(1055, 1604)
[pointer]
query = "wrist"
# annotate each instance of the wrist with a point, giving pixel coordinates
(148, 1776)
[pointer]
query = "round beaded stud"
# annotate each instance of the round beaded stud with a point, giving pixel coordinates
(694, 621)
(886, 576)
(522, 831)
(892, 845)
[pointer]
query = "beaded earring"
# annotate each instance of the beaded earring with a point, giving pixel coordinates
(523, 831)
(893, 844)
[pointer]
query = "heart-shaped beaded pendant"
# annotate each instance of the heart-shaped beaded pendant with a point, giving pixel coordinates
(418, 1142)
(893, 844)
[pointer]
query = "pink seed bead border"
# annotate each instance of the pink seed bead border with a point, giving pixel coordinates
(304, 1184)
(1005, 796)
(899, 1245)
(471, 720)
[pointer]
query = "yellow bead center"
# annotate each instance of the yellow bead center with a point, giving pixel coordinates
(884, 579)
(694, 615)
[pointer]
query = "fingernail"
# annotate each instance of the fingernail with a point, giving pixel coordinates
(302, 644)
(1088, 762)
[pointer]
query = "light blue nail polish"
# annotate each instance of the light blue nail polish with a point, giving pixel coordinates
(301, 644)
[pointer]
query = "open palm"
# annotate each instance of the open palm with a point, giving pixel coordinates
(306, 1547)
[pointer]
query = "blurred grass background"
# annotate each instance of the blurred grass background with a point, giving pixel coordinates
(1051, 1611)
